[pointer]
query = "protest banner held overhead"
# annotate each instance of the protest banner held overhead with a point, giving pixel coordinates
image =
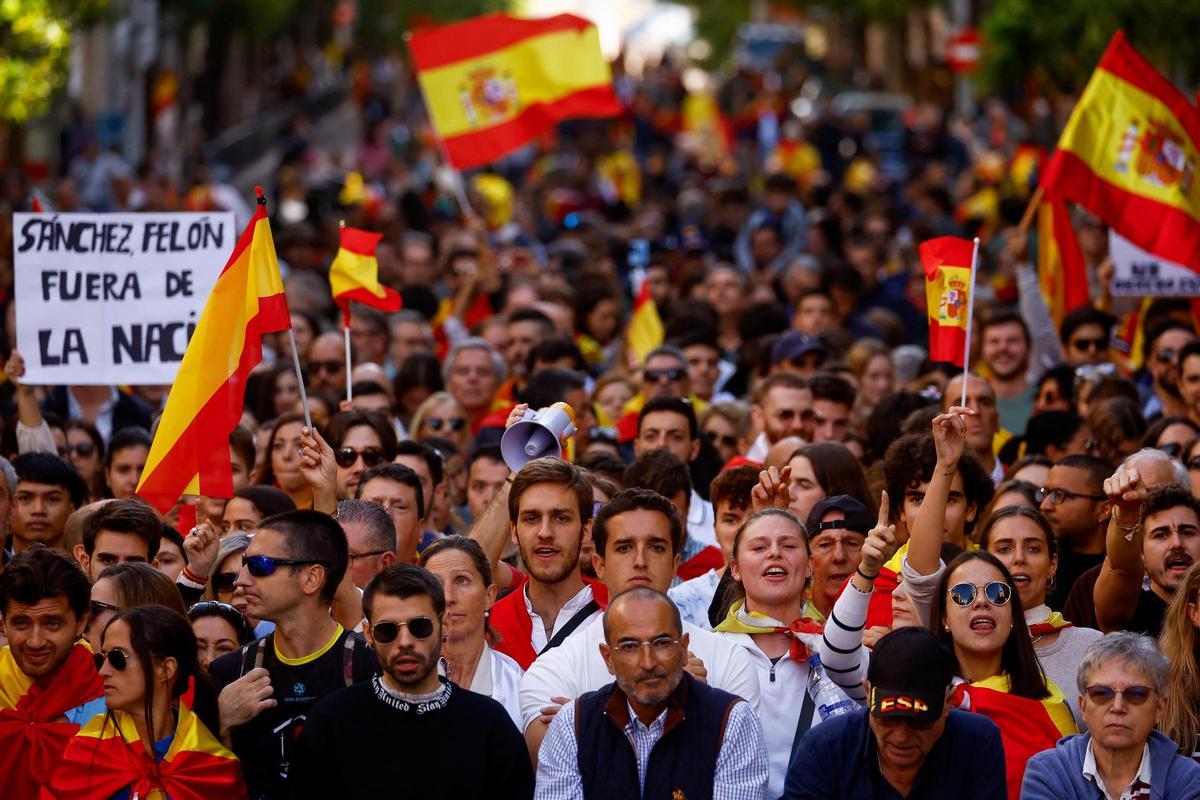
(113, 298)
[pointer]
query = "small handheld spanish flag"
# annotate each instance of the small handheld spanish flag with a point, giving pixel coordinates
(354, 274)
(948, 262)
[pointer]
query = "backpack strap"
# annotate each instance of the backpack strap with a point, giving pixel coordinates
(570, 625)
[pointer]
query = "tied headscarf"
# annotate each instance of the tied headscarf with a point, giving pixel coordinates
(739, 620)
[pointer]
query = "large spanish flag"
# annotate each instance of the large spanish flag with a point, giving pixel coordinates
(1061, 271)
(107, 756)
(190, 453)
(354, 274)
(947, 263)
(645, 331)
(1129, 154)
(494, 83)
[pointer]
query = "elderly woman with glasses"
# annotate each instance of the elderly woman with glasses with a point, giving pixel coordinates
(1123, 685)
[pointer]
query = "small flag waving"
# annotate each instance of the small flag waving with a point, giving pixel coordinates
(1061, 271)
(495, 83)
(645, 331)
(947, 263)
(1129, 155)
(354, 274)
(190, 453)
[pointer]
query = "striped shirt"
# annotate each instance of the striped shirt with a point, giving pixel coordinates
(842, 653)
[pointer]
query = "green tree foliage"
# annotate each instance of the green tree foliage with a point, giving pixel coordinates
(1059, 41)
(35, 41)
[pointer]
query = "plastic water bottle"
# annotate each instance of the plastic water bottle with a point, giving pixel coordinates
(829, 698)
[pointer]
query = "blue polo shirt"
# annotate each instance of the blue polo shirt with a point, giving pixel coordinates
(839, 759)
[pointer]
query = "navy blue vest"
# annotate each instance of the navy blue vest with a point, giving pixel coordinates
(682, 762)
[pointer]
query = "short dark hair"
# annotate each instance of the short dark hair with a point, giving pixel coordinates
(1192, 348)
(267, 499)
(553, 348)
(1076, 318)
(910, 461)
(313, 536)
(603, 463)
(661, 471)
(632, 500)
(642, 593)
(1171, 495)
(1155, 330)
(1097, 469)
(51, 470)
(235, 618)
(399, 474)
(381, 531)
(675, 405)
(39, 573)
(125, 439)
(1055, 428)
(404, 581)
(431, 457)
(733, 486)
(345, 421)
(124, 516)
(547, 386)
(552, 470)
(367, 388)
(1003, 316)
(833, 388)
(489, 451)
(530, 314)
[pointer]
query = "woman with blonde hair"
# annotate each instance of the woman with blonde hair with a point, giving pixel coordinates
(871, 363)
(442, 416)
(1180, 642)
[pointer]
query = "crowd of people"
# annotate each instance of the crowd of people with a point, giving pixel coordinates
(782, 554)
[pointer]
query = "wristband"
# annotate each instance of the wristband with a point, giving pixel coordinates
(865, 576)
(191, 576)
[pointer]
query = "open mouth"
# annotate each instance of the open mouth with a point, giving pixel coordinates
(545, 552)
(775, 572)
(1022, 581)
(983, 624)
(1178, 561)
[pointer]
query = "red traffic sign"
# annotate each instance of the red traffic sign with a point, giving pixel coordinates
(963, 51)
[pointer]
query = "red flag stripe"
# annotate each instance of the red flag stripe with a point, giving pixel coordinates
(476, 37)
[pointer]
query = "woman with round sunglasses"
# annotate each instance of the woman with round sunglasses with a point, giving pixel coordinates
(126, 586)
(771, 573)
(281, 465)
(360, 440)
(466, 576)
(1180, 643)
(220, 628)
(85, 451)
(1021, 538)
(442, 415)
(148, 743)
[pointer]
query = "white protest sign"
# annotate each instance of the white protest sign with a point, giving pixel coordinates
(1140, 274)
(113, 298)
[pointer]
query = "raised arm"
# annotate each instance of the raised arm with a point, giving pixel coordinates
(1120, 581)
(492, 530)
(33, 434)
(926, 531)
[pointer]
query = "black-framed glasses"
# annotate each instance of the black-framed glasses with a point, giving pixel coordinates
(224, 581)
(385, 632)
(371, 456)
(660, 646)
(368, 554)
(262, 566)
(98, 607)
(1059, 496)
(1135, 695)
(998, 593)
(672, 374)
(118, 658)
(1090, 345)
(455, 424)
(333, 366)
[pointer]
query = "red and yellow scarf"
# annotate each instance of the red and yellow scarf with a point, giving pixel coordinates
(751, 622)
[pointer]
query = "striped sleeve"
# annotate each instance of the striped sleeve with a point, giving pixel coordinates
(842, 653)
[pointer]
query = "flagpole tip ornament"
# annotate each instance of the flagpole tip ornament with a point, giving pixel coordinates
(262, 198)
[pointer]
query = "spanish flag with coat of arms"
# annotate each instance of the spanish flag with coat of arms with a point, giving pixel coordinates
(494, 83)
(947, 263)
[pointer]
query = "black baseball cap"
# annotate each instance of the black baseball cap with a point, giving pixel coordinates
(793, 345)
(858, 519)
(909, 673)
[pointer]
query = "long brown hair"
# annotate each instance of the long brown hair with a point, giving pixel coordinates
(1180, 643)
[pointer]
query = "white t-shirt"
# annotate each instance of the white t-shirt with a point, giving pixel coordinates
(576, 667)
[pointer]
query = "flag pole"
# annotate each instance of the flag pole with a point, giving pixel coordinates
(346, 338)
(970, 316)
(300, 378)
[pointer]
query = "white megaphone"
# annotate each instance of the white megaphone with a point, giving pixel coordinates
(537, 435)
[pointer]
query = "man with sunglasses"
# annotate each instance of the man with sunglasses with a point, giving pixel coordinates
(118, 532)
(290, 572)
(908, 742)
(48, 683)
(1123, 683)
(1085, 333)
(371, 535)
(1074, 503)
(655, 731)
(408, 728)
(1163, 342)
(326, 364)
(1189, 378)
(664, 374)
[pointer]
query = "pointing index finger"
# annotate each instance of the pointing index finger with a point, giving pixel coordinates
(883, 508)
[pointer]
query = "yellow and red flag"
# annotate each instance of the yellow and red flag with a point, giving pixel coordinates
(1129, 153)
(1061, 271)
(645, 331)
(947, 263)
(190, 453)
(107, 756)
(354, 274)
(495, 83)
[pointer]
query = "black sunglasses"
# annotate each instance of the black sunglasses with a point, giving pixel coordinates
(997, 593)
(97, 608)
(1090, 344)
(371, 456)
(262, 566)
(83, 449)
(454, 423)
(118, 658)
(224, 581)
(386, 632)
(332, 366)
(672, 374)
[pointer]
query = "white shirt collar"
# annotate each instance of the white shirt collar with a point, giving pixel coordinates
(1093, 774)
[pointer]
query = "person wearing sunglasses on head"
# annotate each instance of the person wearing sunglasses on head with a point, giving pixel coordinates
(909, 741)
(149, 743)
(393, 718)
(289, 575)
(48, 684)
(219, 628)
(1123, 683)
(360, 440)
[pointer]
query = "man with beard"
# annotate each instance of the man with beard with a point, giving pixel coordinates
(783, 407)
(374, 737)
(1161, 525)
(550, 511)
(48, 682)
(1074, 503)
(705, 742)
(1164, 342)
(1005, 351)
